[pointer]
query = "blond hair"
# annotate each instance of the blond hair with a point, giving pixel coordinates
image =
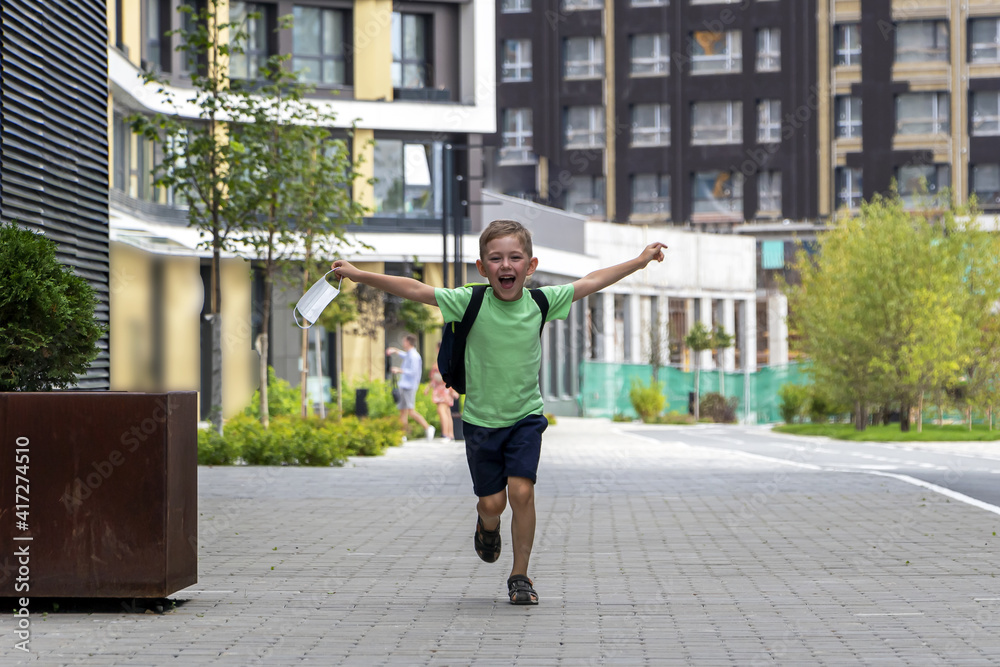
(501, 228)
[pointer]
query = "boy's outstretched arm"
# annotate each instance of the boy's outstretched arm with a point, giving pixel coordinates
(408, 288)
(597, 280)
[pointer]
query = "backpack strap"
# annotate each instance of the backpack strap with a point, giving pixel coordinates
(463, 328)
(543, 305)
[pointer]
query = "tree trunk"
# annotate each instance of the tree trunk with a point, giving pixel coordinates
(904, 417)
(968, 416)
(722, 378)
(860, 416)
(339, 354)
(215, 321)
(304, 374)
(265, 415)
(920, 414)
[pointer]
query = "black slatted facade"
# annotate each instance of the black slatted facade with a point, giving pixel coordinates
(54, 137)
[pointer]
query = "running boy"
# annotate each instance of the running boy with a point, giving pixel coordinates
(503, 420)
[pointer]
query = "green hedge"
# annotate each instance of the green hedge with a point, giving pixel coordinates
(292, 440)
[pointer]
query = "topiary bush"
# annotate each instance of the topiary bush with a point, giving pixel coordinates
(647, 400)
(48, 334)
(718, 408)
(792, 401)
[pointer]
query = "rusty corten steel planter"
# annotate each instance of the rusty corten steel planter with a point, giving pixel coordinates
(110, 491)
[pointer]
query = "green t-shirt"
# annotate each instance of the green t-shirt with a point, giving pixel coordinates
(503, 353)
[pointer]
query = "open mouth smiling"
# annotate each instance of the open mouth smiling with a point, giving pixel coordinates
(506, 282)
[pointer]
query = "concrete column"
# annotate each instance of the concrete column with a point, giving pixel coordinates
(729, 324)
(634, 326)
(706, 319)
(750, 335)
(608, 310)
(777, 328)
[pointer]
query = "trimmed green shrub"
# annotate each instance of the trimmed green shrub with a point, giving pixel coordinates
(48, 334)
(619, 417)
(792, 401)
(214, 449)
(282, 398)
(647, 400)
(718, 408)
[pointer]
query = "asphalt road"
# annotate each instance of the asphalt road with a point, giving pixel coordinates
(969, 469)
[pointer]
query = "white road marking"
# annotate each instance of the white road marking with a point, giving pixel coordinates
(975, 502)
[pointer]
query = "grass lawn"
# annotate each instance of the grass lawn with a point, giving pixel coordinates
(891, 433)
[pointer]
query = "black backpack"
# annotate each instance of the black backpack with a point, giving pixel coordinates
(451, 356)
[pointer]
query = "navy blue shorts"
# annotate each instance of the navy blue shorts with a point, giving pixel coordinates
(498, 453)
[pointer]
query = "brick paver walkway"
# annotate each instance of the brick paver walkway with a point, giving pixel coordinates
(646, 554)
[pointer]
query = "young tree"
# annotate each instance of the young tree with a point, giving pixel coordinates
(197, 151)
(722, 341)
(302, 201)
(884, 311)
(698, 340)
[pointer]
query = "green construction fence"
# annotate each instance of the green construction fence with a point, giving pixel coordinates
(604, 388)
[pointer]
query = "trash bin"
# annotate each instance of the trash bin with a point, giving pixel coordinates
(691, 403)
(361, 402)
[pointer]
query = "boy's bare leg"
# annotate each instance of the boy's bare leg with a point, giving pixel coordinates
(490, 508)
(522, 525)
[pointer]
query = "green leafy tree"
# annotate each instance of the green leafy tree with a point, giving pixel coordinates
(699, 339)
(722, 341)
(48, 334)
(885, 311)
(303, 178)
(198, 151)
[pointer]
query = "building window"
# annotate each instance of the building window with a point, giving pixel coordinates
(769, 194)
(121, 159)
(984, 40)
(768, 49)
(405, 178)
(847, 44)
(650, 55)
(651, 125)
(717, 122)
(768, 121)
(255, 20)
(718, 192)
(189, 26)
(516, 60)
(651, 194)
(848, 110)
(578, 5)
(985, 113)
(650, 3)
(515, 6)
(319, 38)
(922, 113)
(922, 41)
(921, 184)
(848, 187)
(585, 195)
(585, 127)
(584, 57)
(410, 47)
(517, 137)
(714, 52)
(986, 185)
(157, 22)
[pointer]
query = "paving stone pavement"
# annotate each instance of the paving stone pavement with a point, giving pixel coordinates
(646, 553)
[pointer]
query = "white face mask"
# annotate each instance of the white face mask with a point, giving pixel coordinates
(312, 303)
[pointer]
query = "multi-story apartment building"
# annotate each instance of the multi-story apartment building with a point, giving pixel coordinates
(660, 111)
(413, 80)
(760, 117)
